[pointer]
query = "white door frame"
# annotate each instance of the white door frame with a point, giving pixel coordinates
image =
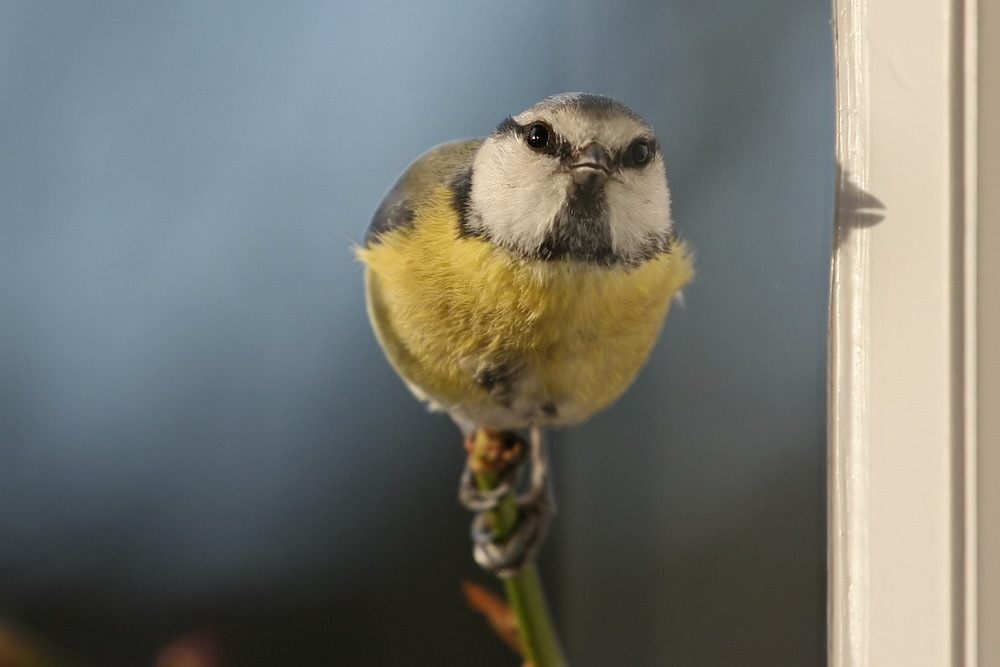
(911, 369)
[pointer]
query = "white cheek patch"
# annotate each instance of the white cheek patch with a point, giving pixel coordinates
(516, 194)
(639, 206)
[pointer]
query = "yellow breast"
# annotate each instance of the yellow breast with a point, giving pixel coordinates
(508, 343)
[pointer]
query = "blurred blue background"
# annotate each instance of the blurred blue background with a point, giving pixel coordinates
(197, 428)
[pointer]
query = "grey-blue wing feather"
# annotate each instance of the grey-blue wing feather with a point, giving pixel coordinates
(448, 165)
(394, 212)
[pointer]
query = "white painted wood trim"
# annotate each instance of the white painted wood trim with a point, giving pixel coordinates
(847, 459)
(902, 521)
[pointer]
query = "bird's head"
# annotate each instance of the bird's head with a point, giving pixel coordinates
(576, 177)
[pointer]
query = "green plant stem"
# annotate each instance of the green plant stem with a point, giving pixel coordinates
(524, 590)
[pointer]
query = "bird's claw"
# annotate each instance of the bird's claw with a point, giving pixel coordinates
(506, 556)
(476, 499)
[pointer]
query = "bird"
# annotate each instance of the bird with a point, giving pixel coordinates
(519, 282)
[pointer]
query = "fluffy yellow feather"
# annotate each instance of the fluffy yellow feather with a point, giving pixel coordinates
(446, 306)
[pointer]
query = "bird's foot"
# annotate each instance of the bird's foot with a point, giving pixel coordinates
(496, 456)
(505, 539)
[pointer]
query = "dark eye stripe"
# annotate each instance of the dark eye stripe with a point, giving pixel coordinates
(624, 156)
(560, 148)
(507, 126)
(557, 146)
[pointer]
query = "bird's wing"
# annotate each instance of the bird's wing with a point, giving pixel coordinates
(447, 165)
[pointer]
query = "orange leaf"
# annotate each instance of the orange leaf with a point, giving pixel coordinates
(498, 614)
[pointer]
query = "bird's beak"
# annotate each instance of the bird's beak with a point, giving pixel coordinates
(591, 166)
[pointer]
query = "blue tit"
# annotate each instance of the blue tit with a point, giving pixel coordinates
(520, 281)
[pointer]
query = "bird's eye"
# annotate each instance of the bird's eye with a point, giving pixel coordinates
(640, 152)
(538, 136)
